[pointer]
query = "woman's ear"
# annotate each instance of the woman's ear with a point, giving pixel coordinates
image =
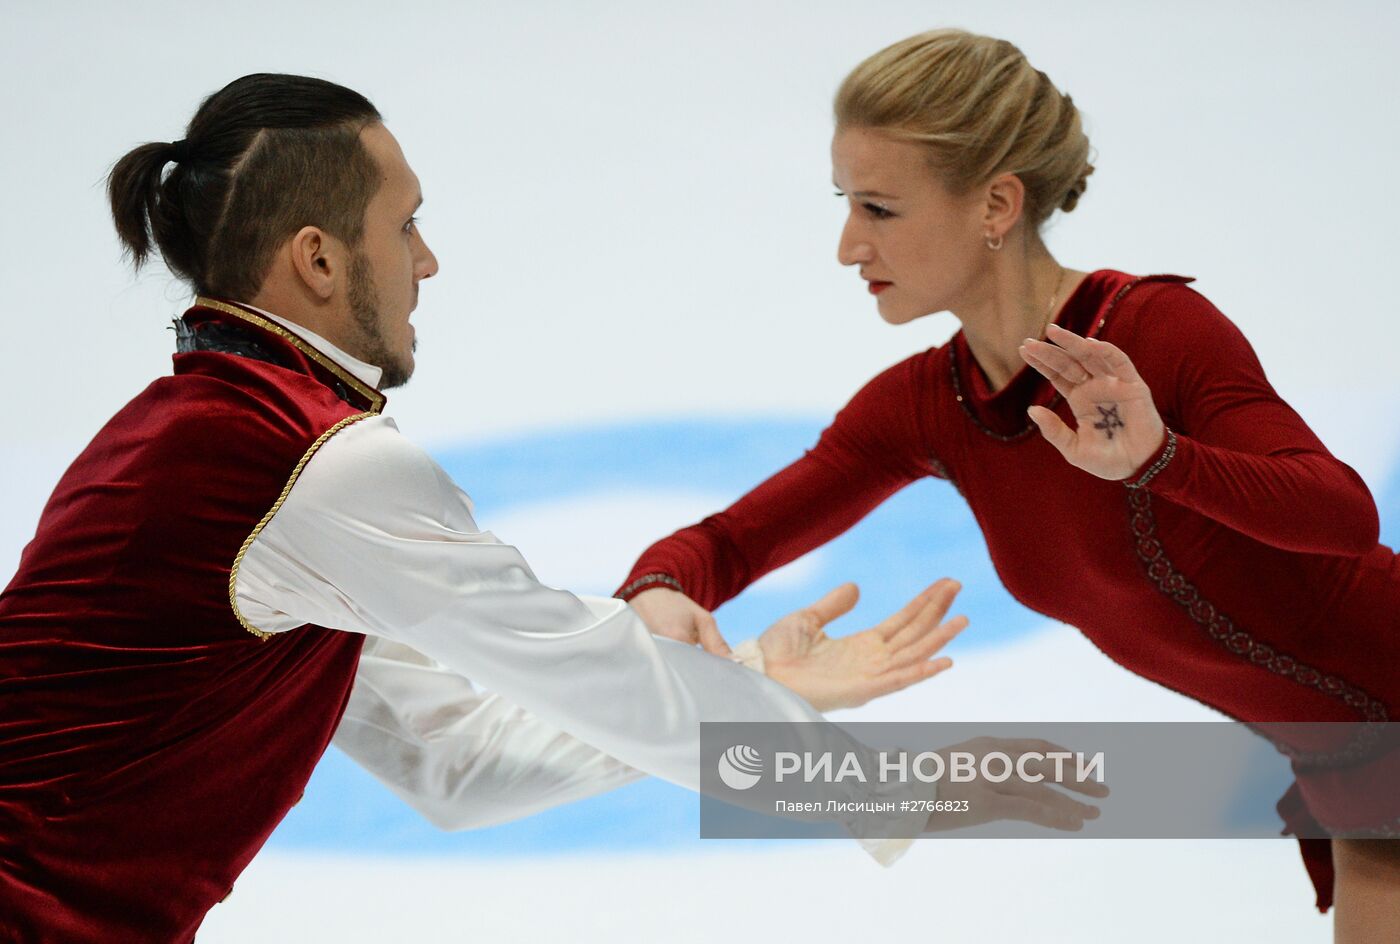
(1005, 198)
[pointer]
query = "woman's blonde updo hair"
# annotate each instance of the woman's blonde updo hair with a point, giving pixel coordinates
(980, 108)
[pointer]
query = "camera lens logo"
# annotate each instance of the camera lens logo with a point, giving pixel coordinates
(740, 767)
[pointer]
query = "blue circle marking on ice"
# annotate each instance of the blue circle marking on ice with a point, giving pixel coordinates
(641, 481)
(740, 767)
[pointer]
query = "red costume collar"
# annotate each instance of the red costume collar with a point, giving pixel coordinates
(1002, 413)
(296, 352)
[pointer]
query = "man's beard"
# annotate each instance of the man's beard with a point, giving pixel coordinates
(370, 345)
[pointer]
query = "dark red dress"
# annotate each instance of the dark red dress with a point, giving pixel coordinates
(1247, 573)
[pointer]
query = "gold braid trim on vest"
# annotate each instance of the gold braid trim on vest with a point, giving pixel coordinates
(296, 473)
(375, 398)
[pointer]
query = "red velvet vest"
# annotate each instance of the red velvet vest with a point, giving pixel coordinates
(150, 741)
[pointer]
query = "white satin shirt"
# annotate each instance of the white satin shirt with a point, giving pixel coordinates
(482, 695)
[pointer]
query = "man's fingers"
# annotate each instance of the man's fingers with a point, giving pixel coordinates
(919, 614)
(920, 650)
(893, 623)
(929, 621)
(1041, 811)
(836, 603)
(1087, 787)
(711, 639)
(1045, 764)
(900, 679)
(1045, 790)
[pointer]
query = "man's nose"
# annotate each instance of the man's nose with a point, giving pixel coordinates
(427, 262)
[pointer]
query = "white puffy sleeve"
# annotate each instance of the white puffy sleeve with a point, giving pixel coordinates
(462, 757)
(375, 538)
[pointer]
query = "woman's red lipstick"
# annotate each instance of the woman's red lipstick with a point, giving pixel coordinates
(877, 287)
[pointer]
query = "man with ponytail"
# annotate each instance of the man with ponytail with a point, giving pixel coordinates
(249, 560)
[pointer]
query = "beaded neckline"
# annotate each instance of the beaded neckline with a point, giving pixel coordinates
(955, 375)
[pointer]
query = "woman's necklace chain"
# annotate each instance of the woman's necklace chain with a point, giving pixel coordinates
(1050, 312)
(957, 385)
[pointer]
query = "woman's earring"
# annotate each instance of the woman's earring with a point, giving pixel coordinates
(993, 244)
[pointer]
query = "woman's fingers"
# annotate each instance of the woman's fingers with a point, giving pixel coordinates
(1119, 364)
(1099, 358)
(710, 638)
(680, 632)
(1077, 346)
(1063, 386)
(1057, 358)
(1053, 429)
(675, 616)
(1086, 352)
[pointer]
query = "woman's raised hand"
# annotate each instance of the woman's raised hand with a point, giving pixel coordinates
(1119, 428)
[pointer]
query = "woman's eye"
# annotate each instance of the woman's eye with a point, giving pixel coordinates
(876, 210)
(412, 222)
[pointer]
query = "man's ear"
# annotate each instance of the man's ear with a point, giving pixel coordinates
(317, 260)
(1005, 200)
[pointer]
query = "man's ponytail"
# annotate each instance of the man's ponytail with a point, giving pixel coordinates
(264, 156)
(133, 188)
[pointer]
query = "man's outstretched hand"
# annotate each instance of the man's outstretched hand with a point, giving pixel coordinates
(851, 670)
(1028, 795)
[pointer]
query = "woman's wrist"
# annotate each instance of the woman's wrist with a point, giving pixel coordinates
(1155, 463)
(649, 582)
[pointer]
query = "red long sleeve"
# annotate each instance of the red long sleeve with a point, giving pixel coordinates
(1246, 573)
(865, 456)
(1243, 457)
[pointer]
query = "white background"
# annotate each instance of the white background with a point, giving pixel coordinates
(632, 208)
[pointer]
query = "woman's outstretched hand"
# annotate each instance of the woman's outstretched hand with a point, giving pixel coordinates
(674, 615)
(851, 670)
(1119, 428)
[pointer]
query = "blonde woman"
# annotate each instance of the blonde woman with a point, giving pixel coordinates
(1133, 472)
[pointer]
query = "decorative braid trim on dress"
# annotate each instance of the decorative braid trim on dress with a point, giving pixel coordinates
(641, 583)
(1223, 630)
(941, 470)
(1055, 400)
